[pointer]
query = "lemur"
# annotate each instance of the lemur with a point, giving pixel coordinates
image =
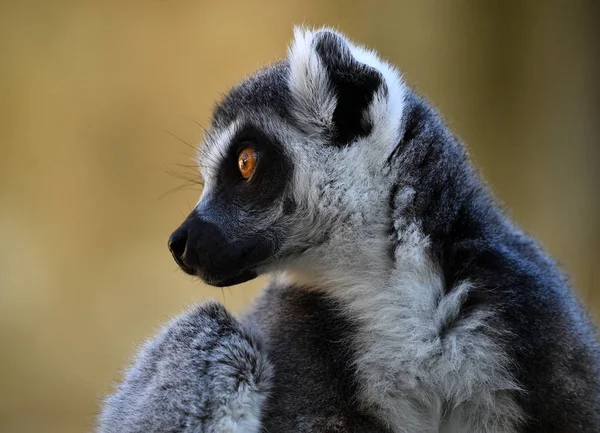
(403, 298)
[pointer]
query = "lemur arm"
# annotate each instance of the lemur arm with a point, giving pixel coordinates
(203, 372)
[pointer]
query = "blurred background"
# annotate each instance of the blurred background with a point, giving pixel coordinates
(97, 99)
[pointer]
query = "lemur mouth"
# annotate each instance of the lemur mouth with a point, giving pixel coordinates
(242, 277)
(239, 278)
(185, 268)
(211, 280)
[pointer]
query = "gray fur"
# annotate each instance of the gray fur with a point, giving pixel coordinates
(403, 301)
(204, 372)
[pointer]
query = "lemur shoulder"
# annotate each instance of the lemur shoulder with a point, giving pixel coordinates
(403, 298)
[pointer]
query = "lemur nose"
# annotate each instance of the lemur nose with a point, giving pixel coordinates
(178, 246)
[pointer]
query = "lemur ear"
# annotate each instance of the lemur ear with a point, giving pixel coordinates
(331, 88)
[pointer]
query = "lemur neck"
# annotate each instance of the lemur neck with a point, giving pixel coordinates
(430, 198)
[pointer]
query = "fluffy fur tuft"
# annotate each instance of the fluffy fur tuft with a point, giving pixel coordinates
(204, 372)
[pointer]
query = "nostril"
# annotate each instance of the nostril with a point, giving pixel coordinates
(177, 244)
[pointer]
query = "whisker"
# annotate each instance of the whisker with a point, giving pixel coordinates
(188, 166)
(197, 123)
(182, 140)
(184, 187)
(192, 178)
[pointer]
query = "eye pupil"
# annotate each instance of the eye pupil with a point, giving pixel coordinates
(247, 160)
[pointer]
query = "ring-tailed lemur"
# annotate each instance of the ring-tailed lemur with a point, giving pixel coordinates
(405, 299)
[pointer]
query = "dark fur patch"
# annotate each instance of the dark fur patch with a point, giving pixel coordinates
(555, 356)
(266, 90)
(273, 171)
(354, 83)
(314, 388)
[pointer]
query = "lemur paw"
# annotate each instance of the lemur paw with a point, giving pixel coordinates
(203, 372)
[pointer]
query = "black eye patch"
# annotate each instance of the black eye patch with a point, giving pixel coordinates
(267, 184)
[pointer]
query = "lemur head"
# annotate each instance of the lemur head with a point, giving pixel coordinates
(294, 165)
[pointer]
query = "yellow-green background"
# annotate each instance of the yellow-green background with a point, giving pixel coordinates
(89, 89)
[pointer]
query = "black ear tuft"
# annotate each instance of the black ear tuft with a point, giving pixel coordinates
(354, 85)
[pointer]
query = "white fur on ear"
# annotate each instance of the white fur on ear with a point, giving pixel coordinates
(315, 98)
(309, 83)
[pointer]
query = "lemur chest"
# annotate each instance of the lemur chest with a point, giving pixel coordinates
(444, 387)
(424, 367)
(414, 364)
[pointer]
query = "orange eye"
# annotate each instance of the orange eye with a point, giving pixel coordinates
(247, 160)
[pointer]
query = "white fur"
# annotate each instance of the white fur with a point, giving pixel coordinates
(406, 370)
(212, 153)
(418, 381)
(309, 84)
(412, 372)
(241, 412)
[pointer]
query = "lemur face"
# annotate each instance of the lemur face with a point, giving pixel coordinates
(293, 156)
